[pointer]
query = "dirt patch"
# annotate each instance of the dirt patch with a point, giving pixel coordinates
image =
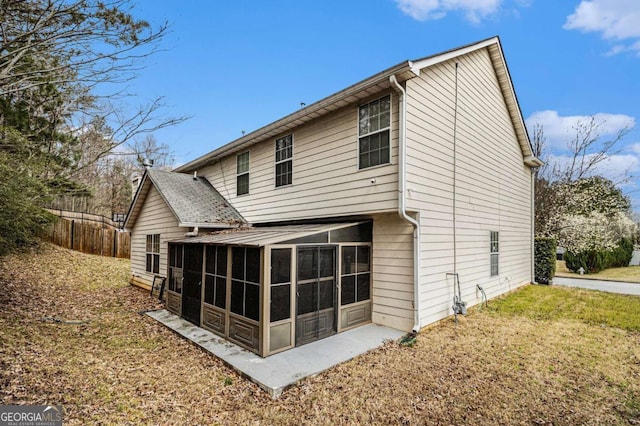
(124, 368)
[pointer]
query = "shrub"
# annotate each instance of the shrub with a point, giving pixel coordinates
(545, 259)
(593, 261)
(622, 254)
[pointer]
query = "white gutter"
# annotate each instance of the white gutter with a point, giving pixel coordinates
(402, 181)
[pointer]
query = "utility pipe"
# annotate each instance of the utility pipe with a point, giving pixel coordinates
(402, 208)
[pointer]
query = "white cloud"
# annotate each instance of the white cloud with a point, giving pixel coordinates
(614, 167)
(616, 49)
(614, 19)
(473, 10)
(559, 130)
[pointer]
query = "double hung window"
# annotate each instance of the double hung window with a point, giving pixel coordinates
(284, 161)
(495, 252)
(153, 253)
(374, 129)
(242, 173)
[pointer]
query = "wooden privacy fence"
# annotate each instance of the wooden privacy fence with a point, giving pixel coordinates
(91, 237)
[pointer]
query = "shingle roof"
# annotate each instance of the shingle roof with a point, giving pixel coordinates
(193, 200)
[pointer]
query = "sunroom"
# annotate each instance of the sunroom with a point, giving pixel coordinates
(269, 289)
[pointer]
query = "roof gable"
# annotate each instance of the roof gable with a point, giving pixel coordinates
(377, 83)
(192, 200)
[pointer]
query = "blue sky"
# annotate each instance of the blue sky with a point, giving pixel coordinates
(237, 66)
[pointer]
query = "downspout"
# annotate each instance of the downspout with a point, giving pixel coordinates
(402, 208)
(193, 233)
(533, 225)
(533, 164)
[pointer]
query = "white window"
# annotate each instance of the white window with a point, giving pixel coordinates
(495, 252)
(374, 124)
(284, 161)
(242, 173)
(153, 253)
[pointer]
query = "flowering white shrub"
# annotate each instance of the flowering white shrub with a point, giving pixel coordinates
(595, 231)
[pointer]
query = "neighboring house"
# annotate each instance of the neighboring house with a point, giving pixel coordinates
(355, 209)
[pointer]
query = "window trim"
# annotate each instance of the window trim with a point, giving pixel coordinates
(342, 274)
(388, 128)
(174, 286)
(215, 275)
(290, 284)
(277, 162)
(494, 254)
(155, 243)
(245, 282)
(238, 194)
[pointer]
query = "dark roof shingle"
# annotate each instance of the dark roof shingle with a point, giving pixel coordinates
(193, 200)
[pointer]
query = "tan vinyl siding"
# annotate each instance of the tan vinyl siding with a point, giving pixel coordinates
(326, 179)
(155, 218)
(392, 268)
(493, 185)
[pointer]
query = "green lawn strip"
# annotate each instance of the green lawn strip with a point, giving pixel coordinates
(591, 307)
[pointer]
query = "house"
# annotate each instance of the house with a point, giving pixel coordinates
(365, 206)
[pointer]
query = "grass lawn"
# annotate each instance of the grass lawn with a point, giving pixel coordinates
(542, 355)
(629, 274)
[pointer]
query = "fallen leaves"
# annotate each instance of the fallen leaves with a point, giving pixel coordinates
(123, 368)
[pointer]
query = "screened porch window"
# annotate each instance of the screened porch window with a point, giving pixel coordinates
(175, 267)
(280, 284)
(153, 253)
(374, 124)
(356, 274)
(215, 280)
(245, 283)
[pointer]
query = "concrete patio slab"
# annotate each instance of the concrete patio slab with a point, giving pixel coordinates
(277, 372)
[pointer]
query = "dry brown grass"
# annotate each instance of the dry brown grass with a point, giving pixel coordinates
(123, 368)
(630, 274)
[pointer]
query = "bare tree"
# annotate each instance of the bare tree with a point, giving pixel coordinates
(587, 151)
(55, 53)
(561, 186)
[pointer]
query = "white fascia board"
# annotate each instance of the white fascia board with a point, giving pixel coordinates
(417, 66)
(217, 225)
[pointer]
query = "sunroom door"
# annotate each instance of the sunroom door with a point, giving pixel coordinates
(315, 293)
(192, 284)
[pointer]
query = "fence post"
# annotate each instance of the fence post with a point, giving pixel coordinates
(72, 232)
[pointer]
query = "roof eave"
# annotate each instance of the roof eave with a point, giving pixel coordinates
(132, 213)
(215, 225)
(496, 54)
(317, 109)
(533, 161)
(404, 70)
